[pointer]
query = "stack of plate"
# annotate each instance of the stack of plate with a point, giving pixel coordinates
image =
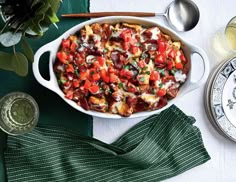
(220, 98)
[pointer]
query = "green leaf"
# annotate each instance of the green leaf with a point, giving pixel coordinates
(34, 25)
(55, 4)
(27, 50)
(17, 63)
(35, 2)
(6, 61)
(9, 39)
(20, 64)
(44, 7)
(52, 16)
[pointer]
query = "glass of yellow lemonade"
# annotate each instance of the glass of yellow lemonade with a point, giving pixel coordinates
(19, 113)
(224, 40)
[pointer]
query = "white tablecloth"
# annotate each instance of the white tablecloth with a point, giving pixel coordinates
(214, 14)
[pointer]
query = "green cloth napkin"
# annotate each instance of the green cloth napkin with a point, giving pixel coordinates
(157, 148)
(53, 110)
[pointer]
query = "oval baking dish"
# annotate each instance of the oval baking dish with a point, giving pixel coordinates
(188, 49)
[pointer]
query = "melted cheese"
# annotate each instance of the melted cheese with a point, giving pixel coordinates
(176, 45)
(90, 59)
(155, 32)
(97, 37)
(149, 98)
(177, 58)
(81, 49)
(150, 66)
(168, 84)
(115, 33)
(179, 76)
(89, 30)
(121, 108)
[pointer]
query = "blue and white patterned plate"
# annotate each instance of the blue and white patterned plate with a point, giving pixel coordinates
(221, 99)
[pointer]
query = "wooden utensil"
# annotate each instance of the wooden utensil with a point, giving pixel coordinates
(101, 14)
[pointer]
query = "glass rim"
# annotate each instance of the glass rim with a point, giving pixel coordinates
(12, 127)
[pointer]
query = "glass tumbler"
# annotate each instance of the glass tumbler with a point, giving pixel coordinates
(19, 113)
(224, 40)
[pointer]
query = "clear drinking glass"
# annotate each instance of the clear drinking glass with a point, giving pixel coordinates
(19, 113)
(224, 40)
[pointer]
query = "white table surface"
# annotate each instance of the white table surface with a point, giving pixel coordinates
(214, 14)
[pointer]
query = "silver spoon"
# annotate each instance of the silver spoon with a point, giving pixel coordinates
(182, 15)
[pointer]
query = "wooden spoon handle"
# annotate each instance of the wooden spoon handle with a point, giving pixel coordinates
(101, 14)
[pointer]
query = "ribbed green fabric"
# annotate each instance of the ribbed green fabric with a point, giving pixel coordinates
(157, 148)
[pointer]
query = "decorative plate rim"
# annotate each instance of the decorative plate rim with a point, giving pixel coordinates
(227, 128)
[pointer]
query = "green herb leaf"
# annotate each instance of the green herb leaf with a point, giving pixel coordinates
(144, 68)
(173, 71)
(139, 44)
(120, 85)
(162, 72)
(142, 79)
(27, 50)
(126, 67)
(9, 39)
(63, 81)
(20, 64)
(105, 50)
(134, 63)
(144, 55)
(77, 73)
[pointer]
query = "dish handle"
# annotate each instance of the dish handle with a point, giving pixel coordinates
(47, 83)
(204, 71)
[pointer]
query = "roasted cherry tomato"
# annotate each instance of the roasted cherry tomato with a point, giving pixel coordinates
(83, 75)
(126, 35)
(62, 56)
(172, 54)
(141, 63)
(183, 59)
(132, 88)
(179, 66)
(70, 68)
(94, 89)
(104, 75)
(126, 46)
(101, 60)
(162, 46)
(76, 83)
(69, 94)
(114, 78)
(170, 64)
(134, 49)
(65, 43)
(95, 77)
(126, 74)
(155, 75)
(73, 46)
(160, 59)
(161, 92)
(87, 84)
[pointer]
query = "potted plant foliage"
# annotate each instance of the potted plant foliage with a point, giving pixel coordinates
(23, 18)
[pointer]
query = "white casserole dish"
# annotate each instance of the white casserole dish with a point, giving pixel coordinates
(188, 48)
